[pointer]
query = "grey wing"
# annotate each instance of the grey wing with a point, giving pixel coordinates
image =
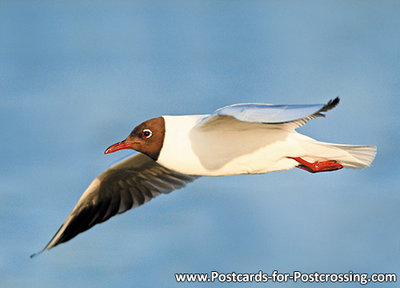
(295, 115)
(126, 185)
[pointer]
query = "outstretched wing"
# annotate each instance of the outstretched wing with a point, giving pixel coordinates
(128, 184)
(295, 115)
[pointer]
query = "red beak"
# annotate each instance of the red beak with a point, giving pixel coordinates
(118, 146)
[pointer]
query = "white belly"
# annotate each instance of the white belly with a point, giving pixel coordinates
(226, 151)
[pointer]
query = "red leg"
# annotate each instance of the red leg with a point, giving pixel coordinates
(324, 166)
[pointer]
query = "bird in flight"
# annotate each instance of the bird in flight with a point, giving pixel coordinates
(246, 138)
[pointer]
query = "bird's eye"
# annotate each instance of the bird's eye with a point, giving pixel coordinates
(147, 133)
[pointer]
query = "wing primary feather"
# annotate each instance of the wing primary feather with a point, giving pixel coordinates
(126, 202)
(143, 190)
(113, 205)
(139, 195)
(128, 184)
(330, 105)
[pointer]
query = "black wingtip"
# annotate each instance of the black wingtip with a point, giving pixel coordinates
(330, 105)
(333, 103)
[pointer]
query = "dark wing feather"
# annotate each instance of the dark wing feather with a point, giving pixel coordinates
(126, 185)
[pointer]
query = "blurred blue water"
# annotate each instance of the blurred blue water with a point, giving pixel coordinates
(76, 77)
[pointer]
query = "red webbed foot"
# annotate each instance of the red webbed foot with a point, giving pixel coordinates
(324, 166)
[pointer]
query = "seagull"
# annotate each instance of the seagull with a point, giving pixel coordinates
(248, 138)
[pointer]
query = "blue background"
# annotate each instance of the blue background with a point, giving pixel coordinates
(76, 77)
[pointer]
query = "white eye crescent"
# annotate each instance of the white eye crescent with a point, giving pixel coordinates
(147, 133)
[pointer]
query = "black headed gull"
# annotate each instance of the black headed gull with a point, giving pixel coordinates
(175, 150)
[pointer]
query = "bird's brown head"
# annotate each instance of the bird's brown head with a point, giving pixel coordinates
(147, 138)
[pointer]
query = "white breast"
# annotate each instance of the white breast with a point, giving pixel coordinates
(176, 152)
(224, 150)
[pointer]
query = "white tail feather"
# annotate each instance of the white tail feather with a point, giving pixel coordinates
(350, 156)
